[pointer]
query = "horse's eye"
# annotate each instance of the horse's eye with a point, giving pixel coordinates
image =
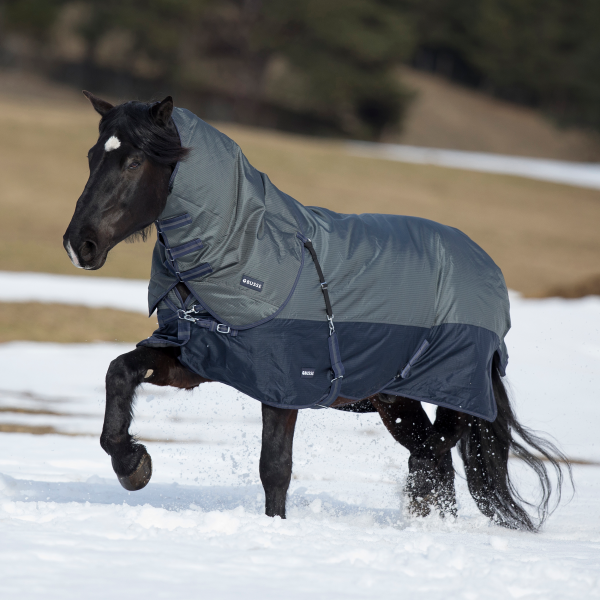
(133, 165)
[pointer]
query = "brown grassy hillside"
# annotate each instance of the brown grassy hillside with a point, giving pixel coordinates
(541, 234)
(445, 115)
(71, 324)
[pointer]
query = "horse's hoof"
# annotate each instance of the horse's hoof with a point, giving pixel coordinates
(140, 477)
(419, 507)
(429, 487)
(442, 502)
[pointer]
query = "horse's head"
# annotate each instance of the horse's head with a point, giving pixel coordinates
(130, 167)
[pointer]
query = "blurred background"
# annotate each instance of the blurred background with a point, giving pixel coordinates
(326, 67)
(293, 83)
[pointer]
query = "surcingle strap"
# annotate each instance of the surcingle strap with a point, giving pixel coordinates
(186, 316)
(334, 347)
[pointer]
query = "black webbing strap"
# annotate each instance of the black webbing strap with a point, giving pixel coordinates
(334, 348)
(309, 246)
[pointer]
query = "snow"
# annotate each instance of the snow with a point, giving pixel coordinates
(96, 292)
(68, 530)
(558, 171)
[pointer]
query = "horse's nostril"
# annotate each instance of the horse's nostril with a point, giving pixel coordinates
(87, 251)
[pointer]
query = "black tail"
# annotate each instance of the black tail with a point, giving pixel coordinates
(485, 450)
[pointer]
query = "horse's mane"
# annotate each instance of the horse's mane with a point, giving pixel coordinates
(161, 144)
(132, 119)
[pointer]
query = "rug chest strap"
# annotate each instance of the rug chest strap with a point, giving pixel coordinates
(187, 315)
(332, 342)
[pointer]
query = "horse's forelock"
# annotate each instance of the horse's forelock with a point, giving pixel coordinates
(134, 123)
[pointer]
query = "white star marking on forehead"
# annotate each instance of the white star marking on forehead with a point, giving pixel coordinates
(112, 143)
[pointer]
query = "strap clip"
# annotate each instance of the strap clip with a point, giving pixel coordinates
(331, 326)
(186, 315)
(223, 328)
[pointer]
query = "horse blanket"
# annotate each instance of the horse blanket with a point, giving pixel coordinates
(418, 309)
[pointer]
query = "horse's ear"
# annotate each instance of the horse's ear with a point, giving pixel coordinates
(101, 106)
(161, 111)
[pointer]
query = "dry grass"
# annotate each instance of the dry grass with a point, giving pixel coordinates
(586, 287)
(71, 324)
(36, 430)
(445, 115)
(49, 430)
(542, 235)
(43, 148)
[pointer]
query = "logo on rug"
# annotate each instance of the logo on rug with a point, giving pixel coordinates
(308, 373)
(253, 284)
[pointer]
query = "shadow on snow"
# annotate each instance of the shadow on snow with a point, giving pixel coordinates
(175, 497)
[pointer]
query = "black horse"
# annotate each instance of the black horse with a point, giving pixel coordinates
(126, 192)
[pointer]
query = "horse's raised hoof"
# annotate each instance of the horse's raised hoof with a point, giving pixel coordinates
(140, 477)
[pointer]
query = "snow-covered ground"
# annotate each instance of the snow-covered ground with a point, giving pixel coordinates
(85, 290)
(68, 530)
(585, 175)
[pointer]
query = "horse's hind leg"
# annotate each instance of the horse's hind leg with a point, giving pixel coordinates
(431, 474)
(130, 460)
(405, 419)
(276, 457)
(410, 426)
(435, 457)
(449, 426)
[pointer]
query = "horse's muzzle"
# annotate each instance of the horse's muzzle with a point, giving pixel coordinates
(84, 255)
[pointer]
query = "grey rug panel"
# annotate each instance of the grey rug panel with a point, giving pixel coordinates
(237, 242)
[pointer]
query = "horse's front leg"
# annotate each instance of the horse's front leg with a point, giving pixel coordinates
(276, 457)
(130, 460)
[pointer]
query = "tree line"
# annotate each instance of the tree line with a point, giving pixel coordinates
(316, 66)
